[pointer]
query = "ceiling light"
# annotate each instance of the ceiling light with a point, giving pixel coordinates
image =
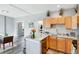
(4, 11)
(58, 6)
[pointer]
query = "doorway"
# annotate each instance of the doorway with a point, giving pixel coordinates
(20, 29)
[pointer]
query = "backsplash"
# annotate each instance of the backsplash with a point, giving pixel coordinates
(60, 29)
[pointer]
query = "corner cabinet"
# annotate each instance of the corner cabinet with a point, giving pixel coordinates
(52, 42)
(44, 45)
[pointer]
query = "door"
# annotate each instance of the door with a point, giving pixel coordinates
(20, 29)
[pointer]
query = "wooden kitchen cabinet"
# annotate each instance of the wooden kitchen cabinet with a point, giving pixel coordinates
(54, 21)
(74, 22)
(68, 22)
(46, 23)
(78, 47)
(61, 44)
(78, 20)
(60, 20)
(52, 42)
(68, 45)
(44, 44)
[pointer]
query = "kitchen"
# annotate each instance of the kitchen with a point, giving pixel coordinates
(46, 29)
(58, 33)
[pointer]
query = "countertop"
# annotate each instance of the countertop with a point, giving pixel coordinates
(40, 37)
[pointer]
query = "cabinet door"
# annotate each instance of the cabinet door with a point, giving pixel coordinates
(68, 45)
(54, 21)
(46, 23)
(68, 22)
(74, 22)
(52, 42)
(60, 20)
(61, 44)
(77, 19)
(44, 44)
(78, 46)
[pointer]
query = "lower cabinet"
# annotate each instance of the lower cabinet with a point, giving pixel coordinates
(52, 42)
(78, 47)
(44, 45)
(68, 45)
(61, 44)
(56, 43)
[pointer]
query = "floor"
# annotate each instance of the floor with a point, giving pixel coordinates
(18, 49)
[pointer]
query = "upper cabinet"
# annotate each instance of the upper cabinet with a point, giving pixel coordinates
(74, 22)
(71, 22)
(77, 19)
(68, 22)
(46, 22)
(60, 20)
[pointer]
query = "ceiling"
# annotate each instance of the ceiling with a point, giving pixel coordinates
(19, 10)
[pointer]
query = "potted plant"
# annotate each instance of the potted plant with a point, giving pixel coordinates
(33, 31)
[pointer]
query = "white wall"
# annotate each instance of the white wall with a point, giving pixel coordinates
(30, 18)
(1, 25)
(9, 25)
(67, 12)
(36, 17)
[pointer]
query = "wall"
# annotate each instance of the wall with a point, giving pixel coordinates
(30, 18)
(36, 17)
(67, 12)
(9, 25)
(1, 25)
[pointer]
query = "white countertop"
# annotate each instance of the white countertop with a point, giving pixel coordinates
(40, 37)
(73, 38)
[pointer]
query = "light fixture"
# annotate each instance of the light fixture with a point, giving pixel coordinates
(4, 11)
